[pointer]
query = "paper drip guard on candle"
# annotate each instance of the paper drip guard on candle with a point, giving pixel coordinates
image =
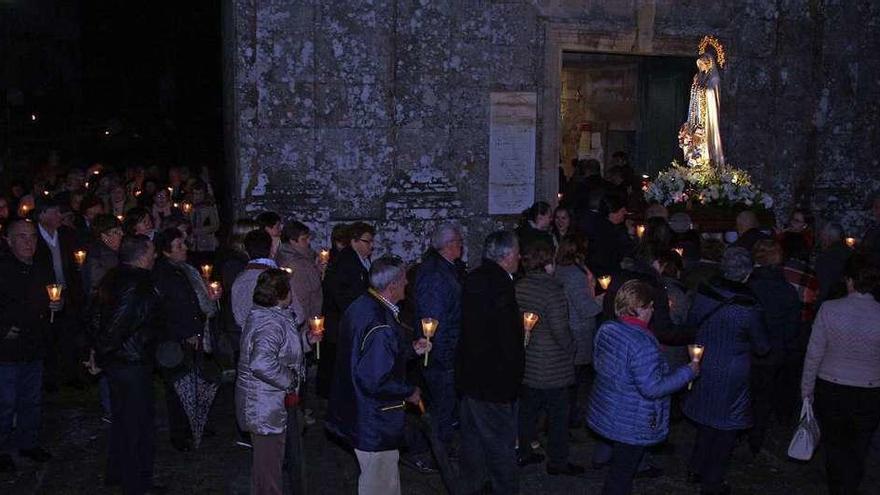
(324, 256)
(605, 282)
(429, 327)
(640, 230)
(850, 242)
(316, 325)
(206, 270)
(529, 321)
(80, 257)
(54, 291)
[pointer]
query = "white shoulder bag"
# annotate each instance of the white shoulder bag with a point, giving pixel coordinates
(806, 436)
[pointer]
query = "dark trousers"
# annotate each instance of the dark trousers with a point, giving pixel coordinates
(577, 398)
(293, 451)
(21, 397)
(326, 366)
(767, 400)
(443, 403)
(65, 350)
(554, 402)
(268, 455)
(132, 435)
(625, 461)
(848, 417)
(488, 437)
(711, 455)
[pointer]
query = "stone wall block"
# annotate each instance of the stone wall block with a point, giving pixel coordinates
(342, 104)
(284, 105)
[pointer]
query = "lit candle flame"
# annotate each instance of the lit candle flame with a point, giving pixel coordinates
(207, 270)
(54, 291)
(696, 352)
(324, 256)
(215, 287)
(640, 230)
(80, 257)
(851, 242)
(530, 320)
(605, 281)
(680, 251)
(287, 269)
(187, 208)
(316, 324)
(429, 327)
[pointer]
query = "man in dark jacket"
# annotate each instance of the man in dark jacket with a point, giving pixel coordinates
(370, 392)
(127, 327)
(345, 280)
(438, 295)
(830, 263)
(609, 240)
(489, 368)
(55, 246)
(24, 315)
(749, 229)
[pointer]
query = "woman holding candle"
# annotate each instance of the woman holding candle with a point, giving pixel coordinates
(579, 286)
(842, 375)
(731, 328)
(629, 403)
(187, 309)
(205, 220)
(270, 373)
(549, 369)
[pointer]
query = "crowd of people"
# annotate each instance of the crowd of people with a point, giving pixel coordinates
(602, 313)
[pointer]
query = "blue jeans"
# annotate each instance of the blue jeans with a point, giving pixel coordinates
(21, 396)
(488, 446)
(443, 403)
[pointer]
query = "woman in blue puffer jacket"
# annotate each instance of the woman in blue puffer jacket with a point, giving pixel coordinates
(629, 404)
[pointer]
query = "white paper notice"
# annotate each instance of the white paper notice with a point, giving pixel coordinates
(512, 120)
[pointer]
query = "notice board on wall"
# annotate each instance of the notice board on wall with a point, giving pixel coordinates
(512, 125)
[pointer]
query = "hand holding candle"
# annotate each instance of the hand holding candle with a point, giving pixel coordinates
(529, 321)
(316, 325)
(54, 291)
(429, 327)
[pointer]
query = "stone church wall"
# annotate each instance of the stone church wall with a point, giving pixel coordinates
(378, 110)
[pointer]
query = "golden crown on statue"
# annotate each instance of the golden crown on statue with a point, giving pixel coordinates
(717, 47)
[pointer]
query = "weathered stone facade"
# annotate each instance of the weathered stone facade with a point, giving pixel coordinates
(379, 109)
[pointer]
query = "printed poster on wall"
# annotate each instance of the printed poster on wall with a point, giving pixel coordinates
(512, 123)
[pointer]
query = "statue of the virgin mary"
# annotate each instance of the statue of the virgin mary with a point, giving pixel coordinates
(700, 136)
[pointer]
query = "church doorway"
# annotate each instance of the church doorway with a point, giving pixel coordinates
(623, 107)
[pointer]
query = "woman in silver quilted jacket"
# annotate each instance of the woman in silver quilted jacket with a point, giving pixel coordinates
(270, 371)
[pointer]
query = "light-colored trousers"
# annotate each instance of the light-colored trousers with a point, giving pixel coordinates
(379, 472)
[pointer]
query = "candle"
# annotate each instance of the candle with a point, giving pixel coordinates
(316, 324)
(324, 256)
(80, 257)
(529, 321)
(680, 251)
(695, 351)
(215, 288)
(851, 242)
(559, 196)
(605, 281)
(54, 291)
(137, 193)
(206, 270)
(640, 230)
(176, 205)
(187, 208)
(429, 326)
(23, 210)
(120, 217)
(96, 172)
(287, 269)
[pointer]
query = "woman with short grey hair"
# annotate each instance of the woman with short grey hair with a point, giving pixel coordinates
(730, 327)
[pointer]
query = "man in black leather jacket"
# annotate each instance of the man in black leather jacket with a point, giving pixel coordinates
(126, 331)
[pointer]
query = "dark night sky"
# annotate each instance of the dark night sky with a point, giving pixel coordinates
(148, 71)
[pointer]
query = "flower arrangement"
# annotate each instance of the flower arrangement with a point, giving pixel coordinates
(704, 184)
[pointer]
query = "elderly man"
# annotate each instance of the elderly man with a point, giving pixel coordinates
(24, 315)
(127, 330)
(370, 392)
(438, 295)
(748, 229)
(489, 368)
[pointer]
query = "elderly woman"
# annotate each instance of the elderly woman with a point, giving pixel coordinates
(579, 286)
(549, 368)
(271, 369)
(730, 326)
(629, 404)
(842, 371)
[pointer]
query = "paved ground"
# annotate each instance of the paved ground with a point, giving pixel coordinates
(77, 437)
